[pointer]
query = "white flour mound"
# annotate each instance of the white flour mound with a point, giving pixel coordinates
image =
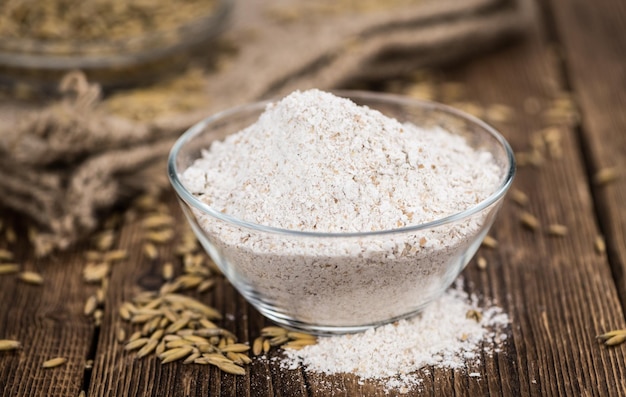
(441, 336)
(317, 162)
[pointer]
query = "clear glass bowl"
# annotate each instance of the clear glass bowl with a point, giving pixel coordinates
(121, 62)
(327, 283)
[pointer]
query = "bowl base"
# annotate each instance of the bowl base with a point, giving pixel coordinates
(326, 330)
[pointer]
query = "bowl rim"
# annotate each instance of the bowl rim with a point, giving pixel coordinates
(199, 127)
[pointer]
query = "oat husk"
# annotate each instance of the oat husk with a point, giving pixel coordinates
(64, 163)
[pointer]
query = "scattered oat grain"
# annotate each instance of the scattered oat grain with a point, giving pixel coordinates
(600, 245)
(481, 262)
(300, 335)
(97, 317)
(206, 285)
(616, 340)
(191, 358)
(169, 356)
(273, 331)
(558, 230)
(31, 277)
(104, 240)
(96, 272)
(423, 90)
(519, 197)
(231, 368)
(236, 348)
(9, 268)
(150, 251)
(168, 271)
(257, 346)
(529, 221)
(178, 325)
(498, 112)
(54, 362)
(90, 305)
(124, 312)
(146, 202)
(5, 255)
(120, 335)
(189, 281)
(605, 176)
(100, 295)
(562, 110)
(157, 221)
(613, 338)
(148, 348)
(8, 344)
(161, 236)
(489, 242)
(299, 343)
(136, 344)
(135, 336)
(244, 358)
(115, 255)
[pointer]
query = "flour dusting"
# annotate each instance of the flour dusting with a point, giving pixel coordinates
(441, 336)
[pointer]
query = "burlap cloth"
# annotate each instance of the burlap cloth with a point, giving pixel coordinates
(64, 163)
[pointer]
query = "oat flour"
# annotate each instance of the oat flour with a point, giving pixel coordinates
(441, 336)
(319, 163)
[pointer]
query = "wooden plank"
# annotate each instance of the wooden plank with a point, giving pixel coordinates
(592, 44)
(558, 291)
(48, 320)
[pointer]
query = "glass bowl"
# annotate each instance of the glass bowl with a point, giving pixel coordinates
(330, 283)
(134, 59)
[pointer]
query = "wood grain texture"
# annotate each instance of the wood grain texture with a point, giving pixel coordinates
(592, 44)
(558, 292)
(49, 322)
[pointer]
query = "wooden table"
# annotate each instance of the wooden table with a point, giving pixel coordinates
(560, 292)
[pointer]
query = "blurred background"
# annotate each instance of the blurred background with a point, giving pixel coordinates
(119, 79)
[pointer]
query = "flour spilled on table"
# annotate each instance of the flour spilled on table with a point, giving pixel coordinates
(451, 333)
